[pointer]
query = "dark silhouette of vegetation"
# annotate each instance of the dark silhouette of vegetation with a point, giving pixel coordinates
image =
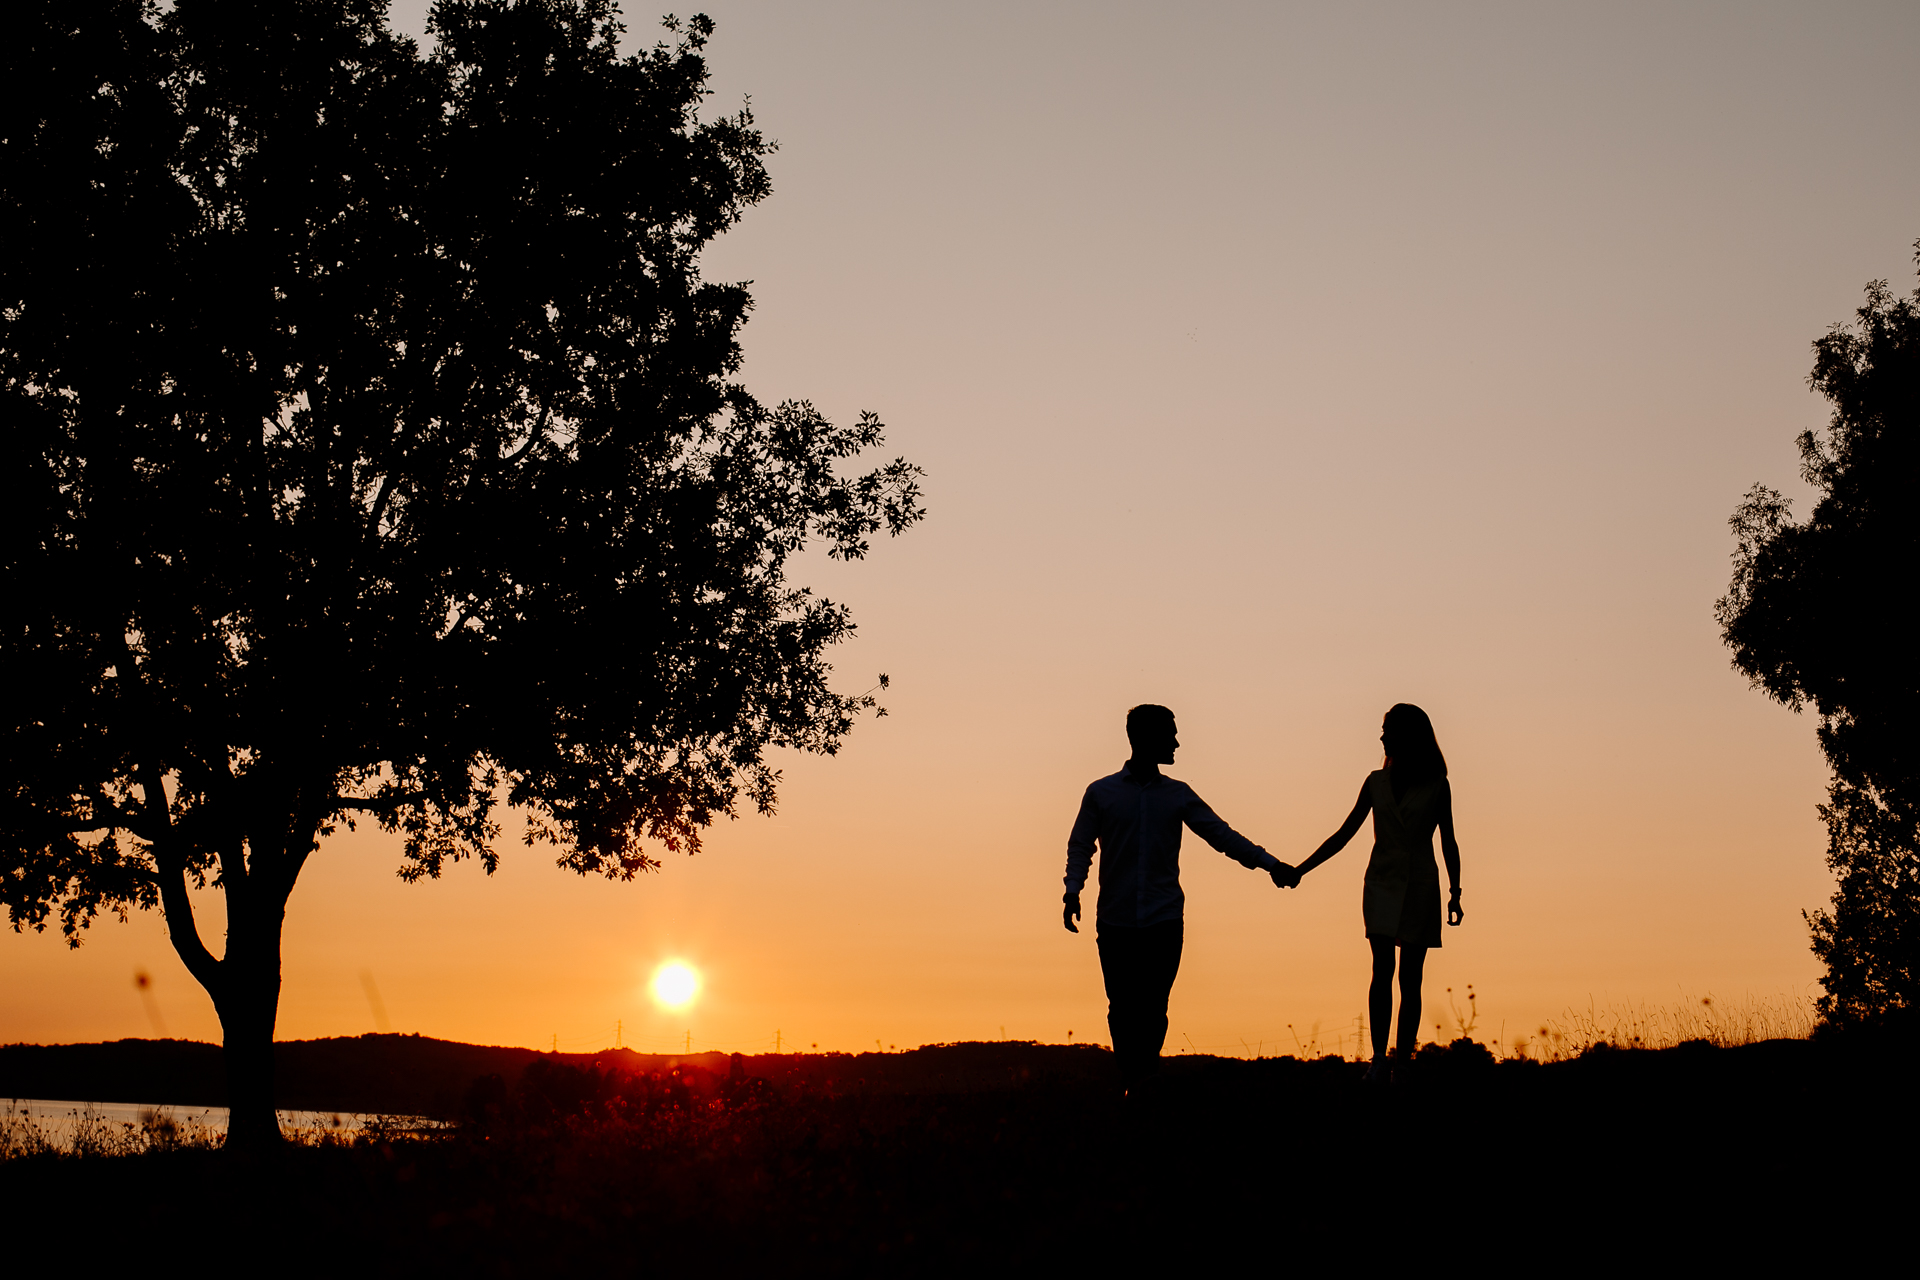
(415, 1075)
(376, 455)
(1019, 1158)
(1817, 614)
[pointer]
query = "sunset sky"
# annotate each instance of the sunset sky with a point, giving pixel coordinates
(1276, 363)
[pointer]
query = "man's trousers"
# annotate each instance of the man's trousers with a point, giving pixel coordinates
(1139, 965)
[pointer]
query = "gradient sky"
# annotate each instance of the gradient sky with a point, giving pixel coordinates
(1276, 363)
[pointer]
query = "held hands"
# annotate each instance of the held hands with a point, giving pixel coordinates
(1071, 912)
(1286, 876)
(1454, 914)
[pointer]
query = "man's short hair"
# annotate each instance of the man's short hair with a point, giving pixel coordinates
(1146, 718)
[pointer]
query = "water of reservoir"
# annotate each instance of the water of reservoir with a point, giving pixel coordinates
(60, 1120)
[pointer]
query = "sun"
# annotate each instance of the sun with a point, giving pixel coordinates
(675, 984)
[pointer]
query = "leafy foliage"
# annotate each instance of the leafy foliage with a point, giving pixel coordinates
(377, 454)
(1818, 613)
(1870, 940)
(379, 447)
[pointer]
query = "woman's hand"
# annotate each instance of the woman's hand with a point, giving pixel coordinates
(1454, 914)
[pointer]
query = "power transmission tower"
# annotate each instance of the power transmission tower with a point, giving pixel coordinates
(618, 1026)
(776, 1040)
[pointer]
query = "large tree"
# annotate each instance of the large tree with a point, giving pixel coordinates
(1820, 614)
(376, 454)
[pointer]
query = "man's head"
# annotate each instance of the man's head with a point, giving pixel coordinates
(1151, 731)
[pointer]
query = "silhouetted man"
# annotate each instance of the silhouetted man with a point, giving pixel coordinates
(1136, 816)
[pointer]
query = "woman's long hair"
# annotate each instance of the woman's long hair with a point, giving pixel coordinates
(1418, 759)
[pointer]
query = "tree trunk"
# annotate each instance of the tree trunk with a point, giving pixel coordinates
(248, 1055)
(249, 1004)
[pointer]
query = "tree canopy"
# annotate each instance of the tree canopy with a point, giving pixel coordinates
(1818, 614)
(379, 455)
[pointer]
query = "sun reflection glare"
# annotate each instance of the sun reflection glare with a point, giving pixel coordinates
(675, 984)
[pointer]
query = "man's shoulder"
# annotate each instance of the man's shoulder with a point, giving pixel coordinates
(1122, 783)
(1120, 786)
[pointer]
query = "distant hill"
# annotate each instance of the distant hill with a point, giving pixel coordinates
(419, 1075)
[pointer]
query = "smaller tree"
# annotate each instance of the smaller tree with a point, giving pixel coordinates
(1817, 613)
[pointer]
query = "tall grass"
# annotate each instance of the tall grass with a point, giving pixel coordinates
(1723, 1023)
(85, 1133)
(1453, 1016)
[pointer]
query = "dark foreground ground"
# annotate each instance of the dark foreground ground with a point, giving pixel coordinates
(1020, 1158)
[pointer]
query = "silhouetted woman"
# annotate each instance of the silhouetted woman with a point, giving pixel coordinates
(1408, 798)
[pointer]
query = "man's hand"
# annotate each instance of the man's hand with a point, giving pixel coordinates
(1071, 913)
(1454, 914)
(1286, 876)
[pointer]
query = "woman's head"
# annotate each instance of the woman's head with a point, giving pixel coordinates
(1412, 750)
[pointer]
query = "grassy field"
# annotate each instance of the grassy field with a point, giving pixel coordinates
(1016, 1156)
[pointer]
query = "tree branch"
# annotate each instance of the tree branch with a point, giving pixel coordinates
(539, 430)
(108, 816)
(177, 905)
(379, 504)
(153, 789)
(459, 622)
(379, 804)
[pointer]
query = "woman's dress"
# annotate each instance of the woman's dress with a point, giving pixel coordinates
(1402, 896)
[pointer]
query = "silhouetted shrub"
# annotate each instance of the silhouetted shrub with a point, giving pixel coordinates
(1462, 1059)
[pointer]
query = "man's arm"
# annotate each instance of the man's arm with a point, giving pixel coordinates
(1209, 826)
(1086, 829)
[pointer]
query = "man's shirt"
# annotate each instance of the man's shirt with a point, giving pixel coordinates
(1137, 822)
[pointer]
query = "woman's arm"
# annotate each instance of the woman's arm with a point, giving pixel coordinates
(1450, 854)
(1338, 840)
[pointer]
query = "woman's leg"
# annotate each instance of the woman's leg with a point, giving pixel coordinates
(1380, 994)
(1413, 965)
